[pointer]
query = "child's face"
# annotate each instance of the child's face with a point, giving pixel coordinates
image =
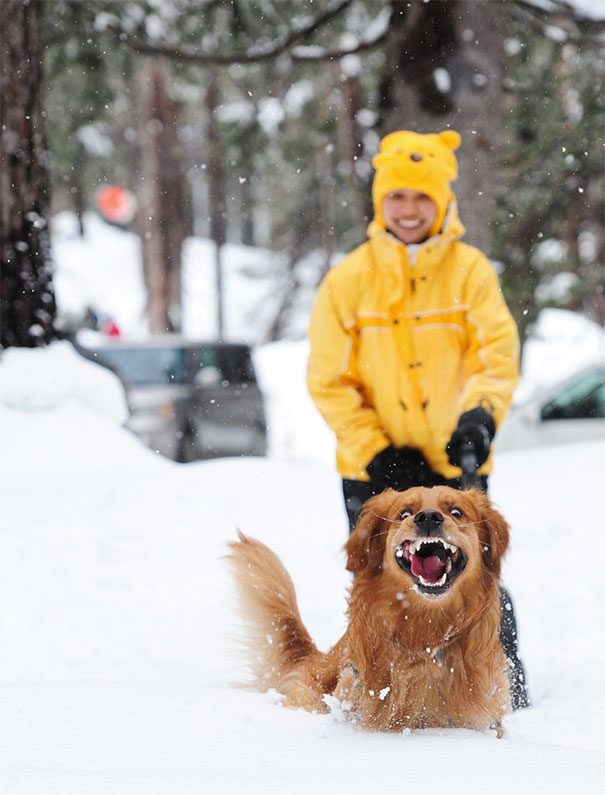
(409, 214)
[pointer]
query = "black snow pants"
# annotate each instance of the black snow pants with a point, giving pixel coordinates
(356, 492)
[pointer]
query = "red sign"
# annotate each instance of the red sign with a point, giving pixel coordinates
(117, 205)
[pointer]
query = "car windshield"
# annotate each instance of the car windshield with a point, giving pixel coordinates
(145, 366)
(583, 399)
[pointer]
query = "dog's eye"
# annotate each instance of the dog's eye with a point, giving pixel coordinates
(456, 513)
(405, 514)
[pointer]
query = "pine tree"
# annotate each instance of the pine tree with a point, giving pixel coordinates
(549, 230)
(27, 302)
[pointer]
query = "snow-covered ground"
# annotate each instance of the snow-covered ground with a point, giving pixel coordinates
(119, 663)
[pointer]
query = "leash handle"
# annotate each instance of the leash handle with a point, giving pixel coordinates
(468, 464)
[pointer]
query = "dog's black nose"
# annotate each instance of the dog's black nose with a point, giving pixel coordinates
(428, 522)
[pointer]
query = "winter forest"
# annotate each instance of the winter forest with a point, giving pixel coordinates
(184, 175)
(259, 120)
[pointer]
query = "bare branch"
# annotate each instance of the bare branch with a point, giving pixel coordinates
(311, 54)
(144, 47)
(561, 24)
(564, 7)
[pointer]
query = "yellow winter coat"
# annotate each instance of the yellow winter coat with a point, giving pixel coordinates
(406, 338)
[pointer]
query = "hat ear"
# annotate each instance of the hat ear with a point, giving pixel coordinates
(450, 138)
(366, 545)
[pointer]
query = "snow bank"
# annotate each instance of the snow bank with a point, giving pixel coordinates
(101, 270)
(296, 430)
(46, 378)
(561, 343)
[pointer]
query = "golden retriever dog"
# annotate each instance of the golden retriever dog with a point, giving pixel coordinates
(422, 646)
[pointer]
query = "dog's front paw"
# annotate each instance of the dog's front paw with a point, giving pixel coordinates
(498, 728)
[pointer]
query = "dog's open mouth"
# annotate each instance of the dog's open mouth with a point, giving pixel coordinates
(432, 562)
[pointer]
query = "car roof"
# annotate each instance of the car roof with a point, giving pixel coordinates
(157, 341)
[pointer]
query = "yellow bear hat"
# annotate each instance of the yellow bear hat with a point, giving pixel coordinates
(416, 161)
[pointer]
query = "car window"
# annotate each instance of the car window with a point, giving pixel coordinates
(584, 399)
(145, 366)
(234, 364)
(206, 357)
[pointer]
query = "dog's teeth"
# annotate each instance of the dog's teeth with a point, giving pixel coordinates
(415, 545)
(437, 584)
(431, 540)
(448, 566)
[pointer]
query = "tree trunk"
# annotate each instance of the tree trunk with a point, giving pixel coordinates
(77, 186)
(352, 145)
(247, 204)
(323, 168)
(444, 67)
(27, 301)
(595, 298)
(216, 197)
(163, 200)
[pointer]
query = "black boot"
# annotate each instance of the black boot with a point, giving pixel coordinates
(508, 636)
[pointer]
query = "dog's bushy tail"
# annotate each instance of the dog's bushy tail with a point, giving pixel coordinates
(275, 637)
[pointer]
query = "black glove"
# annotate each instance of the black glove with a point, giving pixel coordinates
(476, 426)
(399, 468)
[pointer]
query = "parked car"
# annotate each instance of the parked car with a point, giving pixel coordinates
(571, 410)
(188, 400)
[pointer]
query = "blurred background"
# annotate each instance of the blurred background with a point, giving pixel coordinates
(176, 176)
(193, 167)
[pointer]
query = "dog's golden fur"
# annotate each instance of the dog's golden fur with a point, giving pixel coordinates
(410, 657)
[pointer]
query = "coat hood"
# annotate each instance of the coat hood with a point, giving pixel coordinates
(435, 246)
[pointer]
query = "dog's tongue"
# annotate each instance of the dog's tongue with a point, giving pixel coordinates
(431, 569)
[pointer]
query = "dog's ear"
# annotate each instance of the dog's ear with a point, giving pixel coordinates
(494, 536)
(365, 547)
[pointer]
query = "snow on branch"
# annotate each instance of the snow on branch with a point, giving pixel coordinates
(561, 21)
(145, 47)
